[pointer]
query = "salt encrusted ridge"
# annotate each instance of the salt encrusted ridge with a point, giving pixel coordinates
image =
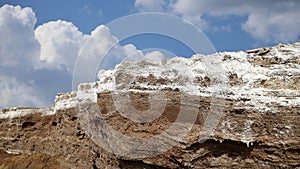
(239, 64)
(19, 112)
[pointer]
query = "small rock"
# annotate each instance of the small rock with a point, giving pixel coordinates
(249, 160)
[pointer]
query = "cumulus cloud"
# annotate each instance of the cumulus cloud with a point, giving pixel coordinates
(19, 49)
(60, 44)
(270, 21)
(99, 43)
(18, 45)
(277, 27)
(154, 56)
(14, 92)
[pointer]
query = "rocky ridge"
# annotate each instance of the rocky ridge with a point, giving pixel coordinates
(226, 110)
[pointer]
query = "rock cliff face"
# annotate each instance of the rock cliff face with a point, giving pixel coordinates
(227, 110)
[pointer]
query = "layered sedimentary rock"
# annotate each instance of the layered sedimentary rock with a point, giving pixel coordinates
(226, 110)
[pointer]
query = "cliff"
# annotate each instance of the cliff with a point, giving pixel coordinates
(226, 110)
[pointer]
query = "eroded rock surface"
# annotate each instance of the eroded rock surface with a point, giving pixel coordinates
(239, 109)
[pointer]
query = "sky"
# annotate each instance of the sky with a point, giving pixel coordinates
(40, 41)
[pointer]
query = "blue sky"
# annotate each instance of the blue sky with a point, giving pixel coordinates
(40, 40)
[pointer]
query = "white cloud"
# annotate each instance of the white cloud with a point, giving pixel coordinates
(187, 7)
(87, 9)
(19, 50)
(283, 27)
(60, 43)
(156, 56)
(97, 46)
(19, 93)
(130, 53)
(275, 21)
(18, 46)
(150, 5)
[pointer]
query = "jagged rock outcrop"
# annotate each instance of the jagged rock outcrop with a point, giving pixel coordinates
(227, 110)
